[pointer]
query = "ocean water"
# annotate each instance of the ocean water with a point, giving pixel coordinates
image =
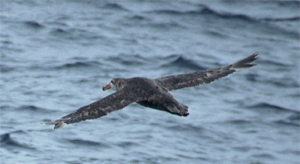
(56, 55)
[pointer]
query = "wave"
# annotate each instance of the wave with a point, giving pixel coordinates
(127, 144)
(5, 68)
(128, 60)
(216, 34)
(288, 82)
(265, 105)
(295, 123)
(26, 108)
(164, 25)
(88, 143)
(271, 107)
(138, 18)
(276, 63)
(289, 19)
(7, 141)
(264, 24)
(264, 156)
(204, 10)
(181, 62)
(148, 23)
(33, 108)
(77, 64)
(239, 122)
(33, 24)
(114, 6)
(75, 34)
(288, 117)
(284, 82)
(185, 127)
(207, 11)
(58, 31)
(292, 120)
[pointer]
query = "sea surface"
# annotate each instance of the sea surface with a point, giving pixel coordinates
(57, 54)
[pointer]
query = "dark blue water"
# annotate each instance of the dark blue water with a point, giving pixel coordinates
(56, 55)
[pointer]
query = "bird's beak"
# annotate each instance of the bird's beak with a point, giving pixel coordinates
(106, 86)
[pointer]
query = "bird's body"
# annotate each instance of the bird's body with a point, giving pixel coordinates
(153, 93)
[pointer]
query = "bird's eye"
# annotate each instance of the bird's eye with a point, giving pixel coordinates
(112, 81)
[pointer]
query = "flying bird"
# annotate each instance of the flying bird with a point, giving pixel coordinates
(153, 93)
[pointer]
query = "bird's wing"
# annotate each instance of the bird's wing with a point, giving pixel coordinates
(115, 101)
(199, 77)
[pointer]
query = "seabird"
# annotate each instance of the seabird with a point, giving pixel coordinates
(153, 93)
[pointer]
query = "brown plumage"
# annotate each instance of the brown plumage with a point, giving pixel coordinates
(151, 93)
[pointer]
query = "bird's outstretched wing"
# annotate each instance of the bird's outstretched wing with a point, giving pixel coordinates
(115, 101)
(199, 77)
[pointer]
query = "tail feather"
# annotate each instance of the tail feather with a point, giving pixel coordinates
(179, 109)
(184, 110)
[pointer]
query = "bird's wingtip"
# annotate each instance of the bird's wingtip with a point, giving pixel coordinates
(245, 63)
(57, 124)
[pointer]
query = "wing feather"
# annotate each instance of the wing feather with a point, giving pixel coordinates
(115, 101)
(199, 77)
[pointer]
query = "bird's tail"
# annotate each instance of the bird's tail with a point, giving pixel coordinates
(179, 109)
(184, 110)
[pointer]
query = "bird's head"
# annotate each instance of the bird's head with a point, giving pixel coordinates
(115, 84)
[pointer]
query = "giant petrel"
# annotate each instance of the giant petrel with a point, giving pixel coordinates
(153, 93)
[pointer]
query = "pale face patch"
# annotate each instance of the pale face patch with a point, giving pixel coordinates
(112, 86)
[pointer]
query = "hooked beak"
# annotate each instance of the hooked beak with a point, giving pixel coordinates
(106, 86)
